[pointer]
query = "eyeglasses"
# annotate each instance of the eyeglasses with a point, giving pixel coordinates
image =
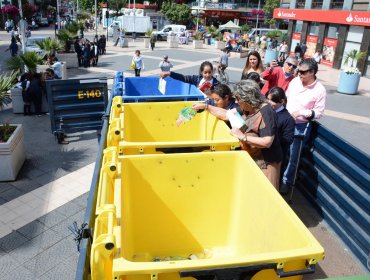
(302, 72)
(291, 65)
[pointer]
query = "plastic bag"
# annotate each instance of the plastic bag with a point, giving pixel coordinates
(132, 65)
(185, 115)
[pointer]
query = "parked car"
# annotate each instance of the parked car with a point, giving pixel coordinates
(32, 46)
(44, 22)
(168, 29)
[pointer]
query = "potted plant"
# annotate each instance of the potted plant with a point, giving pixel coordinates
(12, 149)
(66, 36)
(349, 78)
(198, 42)
(51, 47)
(220, 43)
(148, 35)
(27, 62)
(172, 40)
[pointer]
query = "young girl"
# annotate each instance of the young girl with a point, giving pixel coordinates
(221, 97)
(204, 81)
(138, 61)
(253, 64)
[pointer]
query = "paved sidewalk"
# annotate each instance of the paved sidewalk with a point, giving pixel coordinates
(51, 190)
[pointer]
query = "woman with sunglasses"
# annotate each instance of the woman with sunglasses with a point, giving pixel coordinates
(276, 76)
(306, 101)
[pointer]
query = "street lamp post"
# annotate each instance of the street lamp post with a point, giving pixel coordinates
(22, 25)
(96, 18)
(258, 11)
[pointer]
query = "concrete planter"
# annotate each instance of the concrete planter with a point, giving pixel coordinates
(146, 43)
(198, 44)
(348, 83)
(12, 155)
(220, 45)
(41, 68)
(173, 42)
(17, 102)
(69, 58)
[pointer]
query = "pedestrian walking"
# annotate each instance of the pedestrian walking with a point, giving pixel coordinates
(137, 63)
(152, 42)
(117, 36)
(298, 51)
(165, 64)
(303, 50)
(13, 47)
(122, 38)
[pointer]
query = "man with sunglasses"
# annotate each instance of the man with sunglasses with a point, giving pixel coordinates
(276, 76)
(306, 101)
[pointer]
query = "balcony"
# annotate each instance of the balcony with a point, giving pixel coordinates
(222, 6)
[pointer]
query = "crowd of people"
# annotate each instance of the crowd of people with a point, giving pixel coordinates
(88, 52)
(277, 104)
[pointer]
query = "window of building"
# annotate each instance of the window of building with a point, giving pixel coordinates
(300, 4)
(336, 4)
(314, 28)
(333, 31)
(298, 26)
(317, 4)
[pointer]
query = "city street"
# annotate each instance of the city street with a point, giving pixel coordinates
(51, 190)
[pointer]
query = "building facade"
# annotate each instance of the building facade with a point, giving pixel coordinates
(240, 11)
(333, 27)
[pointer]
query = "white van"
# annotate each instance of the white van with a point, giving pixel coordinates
(259, 31)
(168, 29)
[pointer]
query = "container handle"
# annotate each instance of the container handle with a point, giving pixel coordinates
(311, 268)
(180, 149)
(227, 273)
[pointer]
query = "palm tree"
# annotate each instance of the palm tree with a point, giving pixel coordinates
(66, 37)
(354, 56)
(50, 46)
(6, 83)
(26, 62)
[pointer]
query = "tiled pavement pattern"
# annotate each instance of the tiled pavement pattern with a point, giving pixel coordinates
(43, 249)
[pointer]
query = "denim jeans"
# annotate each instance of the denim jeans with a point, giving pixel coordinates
(295, 151)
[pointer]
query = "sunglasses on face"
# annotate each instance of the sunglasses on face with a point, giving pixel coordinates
(302, 72)
(291, 65)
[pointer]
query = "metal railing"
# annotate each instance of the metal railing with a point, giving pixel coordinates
(222, 6)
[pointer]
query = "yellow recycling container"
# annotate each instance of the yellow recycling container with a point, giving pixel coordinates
(151, 128)
(203, 214)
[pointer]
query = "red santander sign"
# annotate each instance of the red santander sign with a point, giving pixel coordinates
(341, 17)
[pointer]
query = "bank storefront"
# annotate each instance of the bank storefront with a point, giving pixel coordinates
(331, 32)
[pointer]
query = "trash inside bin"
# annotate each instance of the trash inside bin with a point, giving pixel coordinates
(151, 128)
(199, 214)
(143, 89)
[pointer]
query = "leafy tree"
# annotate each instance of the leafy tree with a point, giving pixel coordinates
(245, 28)
(89, 5)
(176, 13)
(117, 5)
(269, 7)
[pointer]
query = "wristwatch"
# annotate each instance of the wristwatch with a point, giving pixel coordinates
(244, 139)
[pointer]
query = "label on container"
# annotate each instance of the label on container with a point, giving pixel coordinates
(162, 86)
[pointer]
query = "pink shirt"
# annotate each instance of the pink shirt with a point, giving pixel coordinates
(306, 98)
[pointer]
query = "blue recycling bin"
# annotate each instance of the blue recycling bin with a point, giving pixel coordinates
(117, 89)
(144, 89)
